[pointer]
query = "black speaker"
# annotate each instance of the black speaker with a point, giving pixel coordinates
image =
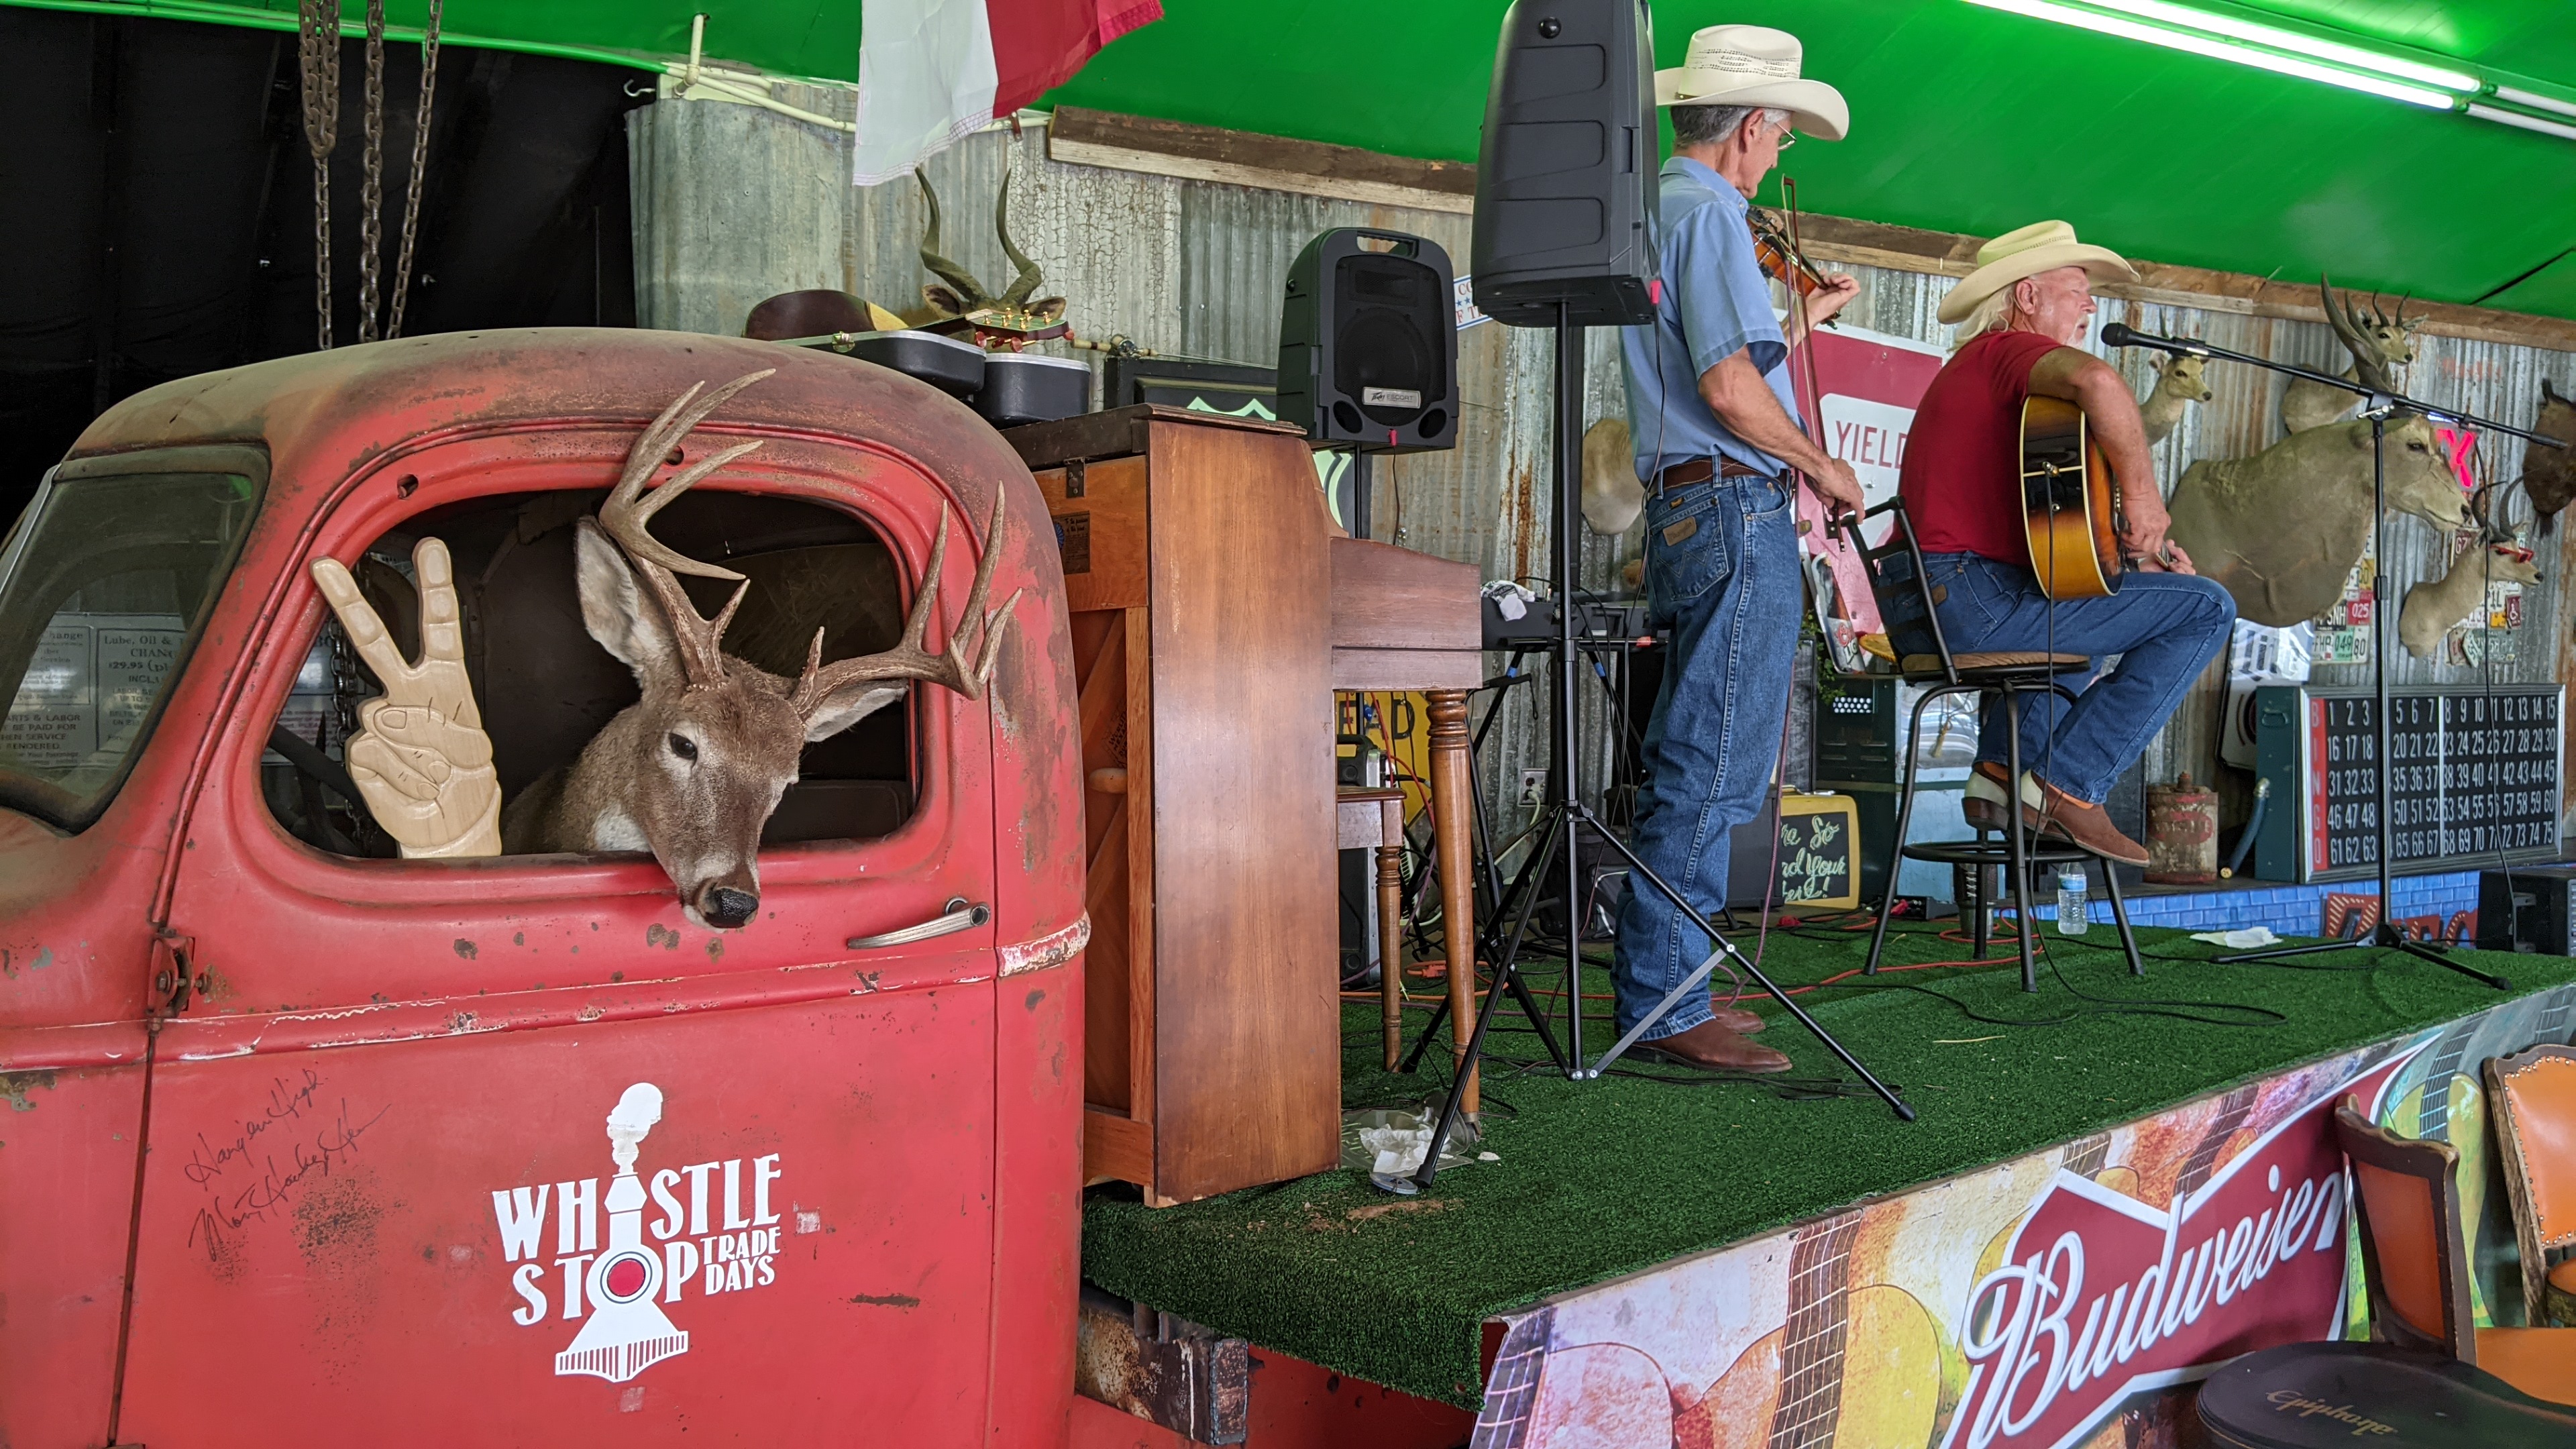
(2530, 908)
(1368, 343)
(1565, 178)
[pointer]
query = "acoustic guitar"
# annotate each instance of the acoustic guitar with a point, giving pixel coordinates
(2070, 505)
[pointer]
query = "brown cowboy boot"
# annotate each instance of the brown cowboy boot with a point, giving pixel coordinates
(1713, 1047)
(1983, 804)
(2089, 827)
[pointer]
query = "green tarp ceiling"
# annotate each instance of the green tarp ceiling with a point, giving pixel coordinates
(1963, 119)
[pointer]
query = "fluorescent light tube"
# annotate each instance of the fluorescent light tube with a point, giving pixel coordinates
(2528, 123)
(2220, 49)
(2276, 38)
(2534, 102)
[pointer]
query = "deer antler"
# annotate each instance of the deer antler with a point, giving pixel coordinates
(969, 291)
(910, 659)
(2346, 320)
(628, 512)
(1026, 283)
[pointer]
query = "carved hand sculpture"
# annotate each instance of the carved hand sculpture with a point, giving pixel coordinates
(420, 757)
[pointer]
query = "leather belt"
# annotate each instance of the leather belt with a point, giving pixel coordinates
(1700, 470)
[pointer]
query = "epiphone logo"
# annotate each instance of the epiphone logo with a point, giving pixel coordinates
(2101, 1296)
(2288, 1401)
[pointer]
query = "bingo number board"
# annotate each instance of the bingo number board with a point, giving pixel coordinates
(2473, 772)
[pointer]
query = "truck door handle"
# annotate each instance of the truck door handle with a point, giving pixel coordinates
(961, 917)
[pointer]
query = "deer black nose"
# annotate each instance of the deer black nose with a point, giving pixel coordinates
(727, 908)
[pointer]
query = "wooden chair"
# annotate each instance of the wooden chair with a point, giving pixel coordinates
(2406, 1201)
(2533, 1097)
(1895, 572)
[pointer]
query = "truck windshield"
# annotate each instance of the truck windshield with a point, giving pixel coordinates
(103, 584)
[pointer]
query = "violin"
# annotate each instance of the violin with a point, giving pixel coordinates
(1778, 252)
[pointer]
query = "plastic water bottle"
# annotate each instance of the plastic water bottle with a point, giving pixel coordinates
(2071, 920)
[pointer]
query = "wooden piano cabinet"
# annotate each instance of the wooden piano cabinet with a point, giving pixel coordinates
(1198, 578)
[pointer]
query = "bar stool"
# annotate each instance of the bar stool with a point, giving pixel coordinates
(1895, 572)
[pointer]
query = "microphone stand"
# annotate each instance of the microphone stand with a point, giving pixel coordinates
(2378, 407)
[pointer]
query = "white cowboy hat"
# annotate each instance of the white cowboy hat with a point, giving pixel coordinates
(2042, 246)
(1753, 65)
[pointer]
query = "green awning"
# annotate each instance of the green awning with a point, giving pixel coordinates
(1965, 119)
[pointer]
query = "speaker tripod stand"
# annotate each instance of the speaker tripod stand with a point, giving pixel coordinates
(2378, 407)
(1568, 814)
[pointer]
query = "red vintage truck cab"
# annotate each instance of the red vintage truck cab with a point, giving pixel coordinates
(304, 1142)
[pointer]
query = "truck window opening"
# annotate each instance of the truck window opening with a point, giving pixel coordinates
(546, 687)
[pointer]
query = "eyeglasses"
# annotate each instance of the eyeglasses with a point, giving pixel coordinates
(1787, 138)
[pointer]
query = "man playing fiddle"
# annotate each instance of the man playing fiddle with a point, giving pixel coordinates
(1717, 432)
(2021, 315)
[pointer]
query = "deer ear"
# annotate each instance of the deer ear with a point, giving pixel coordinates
(943, 298)
(2156, 365)
(850, 704)
(614, 611)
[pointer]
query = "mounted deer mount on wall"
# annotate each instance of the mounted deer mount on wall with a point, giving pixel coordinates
(2180, 382)
(963, 308)
(2549, 474)
(2381, 346)
(2433, 606)
(2282, 529)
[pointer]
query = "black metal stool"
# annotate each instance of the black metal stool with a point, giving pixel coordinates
(1896, 581)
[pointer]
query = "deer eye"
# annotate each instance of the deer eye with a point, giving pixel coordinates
(681, 747)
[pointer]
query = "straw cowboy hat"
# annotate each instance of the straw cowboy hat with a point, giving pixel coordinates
(1753, 65)
(2042, 246)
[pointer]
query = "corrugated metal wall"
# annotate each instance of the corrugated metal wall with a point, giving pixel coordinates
(734, 204)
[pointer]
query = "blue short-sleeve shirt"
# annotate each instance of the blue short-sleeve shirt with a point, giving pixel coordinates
(1715, 304)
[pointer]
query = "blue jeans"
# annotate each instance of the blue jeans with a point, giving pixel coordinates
(2165, 628)
(1722, 574)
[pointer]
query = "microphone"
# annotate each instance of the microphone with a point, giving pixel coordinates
(2121, 334)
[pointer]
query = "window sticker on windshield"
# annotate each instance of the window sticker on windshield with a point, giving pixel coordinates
(91, 682)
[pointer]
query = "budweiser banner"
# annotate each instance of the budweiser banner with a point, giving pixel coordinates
(2054, 1301)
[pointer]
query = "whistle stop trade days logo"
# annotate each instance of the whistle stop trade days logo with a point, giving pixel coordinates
(626, 1331)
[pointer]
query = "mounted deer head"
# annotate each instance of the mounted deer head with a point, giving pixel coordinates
(2179, 383)
(1009, 319)
(2380, 344)
(692, 771)
(2549, 474)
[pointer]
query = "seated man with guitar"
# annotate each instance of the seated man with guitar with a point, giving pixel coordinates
(2011, 569)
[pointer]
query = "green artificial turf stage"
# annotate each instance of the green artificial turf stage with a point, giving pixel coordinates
(1609, 1177)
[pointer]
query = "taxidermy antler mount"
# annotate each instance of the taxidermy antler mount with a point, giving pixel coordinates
(693, 769)
(963, 307)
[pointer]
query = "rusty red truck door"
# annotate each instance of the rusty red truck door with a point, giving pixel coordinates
(508, 1151)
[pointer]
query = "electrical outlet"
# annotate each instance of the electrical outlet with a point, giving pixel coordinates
(1533, 786)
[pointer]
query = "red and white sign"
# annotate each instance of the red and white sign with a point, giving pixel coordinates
(1867, 385)
(2101, 1296)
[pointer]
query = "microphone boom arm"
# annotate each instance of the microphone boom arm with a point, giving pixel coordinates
(2120, 334)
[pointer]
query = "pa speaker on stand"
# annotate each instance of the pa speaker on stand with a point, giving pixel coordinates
(1368, 349)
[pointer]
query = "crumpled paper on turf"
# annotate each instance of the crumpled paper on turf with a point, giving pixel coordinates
(1391, 1143)
(2245, 939)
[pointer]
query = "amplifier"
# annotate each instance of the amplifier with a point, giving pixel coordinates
(2531, 909)
(1595, 620)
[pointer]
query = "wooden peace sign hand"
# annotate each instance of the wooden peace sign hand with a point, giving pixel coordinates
(420, 756)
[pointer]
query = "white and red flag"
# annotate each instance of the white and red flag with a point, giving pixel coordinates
(931, 71)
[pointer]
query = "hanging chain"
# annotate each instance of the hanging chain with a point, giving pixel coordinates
(371, 190)
(419, 165)
(318, 55)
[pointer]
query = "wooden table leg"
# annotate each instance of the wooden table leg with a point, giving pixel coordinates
(1390, 925)
(1450, 783)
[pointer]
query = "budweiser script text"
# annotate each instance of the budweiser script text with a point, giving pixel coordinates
(2100, 1295)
